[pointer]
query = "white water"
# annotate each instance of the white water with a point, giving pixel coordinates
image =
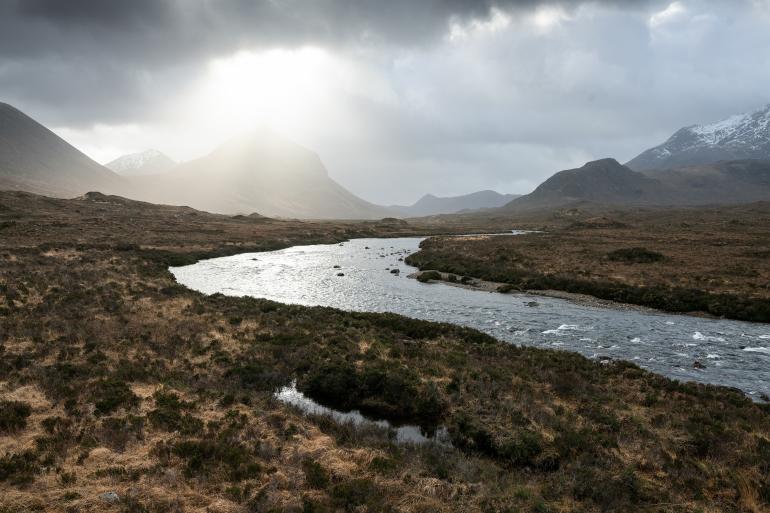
(733, 353)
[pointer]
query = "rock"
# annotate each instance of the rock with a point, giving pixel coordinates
(337, 267)
(366, 247)
(394, 271)
(533, 304)
(340, 274)
(697, 365)
(111, 497)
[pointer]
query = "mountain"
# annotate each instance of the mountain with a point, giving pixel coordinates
(726, 182)
(601, 181)
(260, 172)
(149, 162)
(610, 183)
(745, 136)
(430, 205)
(34, 159)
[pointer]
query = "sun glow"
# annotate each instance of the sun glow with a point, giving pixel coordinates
(285, 90)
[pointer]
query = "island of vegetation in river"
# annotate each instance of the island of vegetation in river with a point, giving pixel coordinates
(709, 260)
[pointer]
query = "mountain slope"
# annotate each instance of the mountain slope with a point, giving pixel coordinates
(726, 182)
(745, 136)
(34, 159)
(261, 173)
(149, 162)
(607, 182)
(601, 181)
(432, 205)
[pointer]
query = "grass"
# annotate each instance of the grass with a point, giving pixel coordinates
(13, 416)
(139, 386)
(709, 265)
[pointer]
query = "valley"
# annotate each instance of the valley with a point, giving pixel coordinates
(291, 256)
(123, 390)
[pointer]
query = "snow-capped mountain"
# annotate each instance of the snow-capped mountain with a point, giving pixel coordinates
(745, 136)
(149, 162)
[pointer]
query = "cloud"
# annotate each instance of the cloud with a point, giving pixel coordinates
(673, 11)
(430, 96)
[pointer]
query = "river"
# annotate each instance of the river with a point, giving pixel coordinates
(356, 275)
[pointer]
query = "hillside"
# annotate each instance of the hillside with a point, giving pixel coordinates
(727, 182)
(34, 159)
(430, 205)
(609, 183)
(745, 136)
(260, 172)
(149, 162)
(602, 181)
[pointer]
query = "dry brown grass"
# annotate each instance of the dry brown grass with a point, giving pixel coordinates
(78, 320)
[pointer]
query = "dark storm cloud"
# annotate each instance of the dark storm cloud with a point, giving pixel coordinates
(499, 109)
(178, 27)
(81, 54)
(113, 14)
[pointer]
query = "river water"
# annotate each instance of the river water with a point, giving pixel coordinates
(732, 353)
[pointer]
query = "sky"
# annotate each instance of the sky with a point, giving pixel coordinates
(398, 98)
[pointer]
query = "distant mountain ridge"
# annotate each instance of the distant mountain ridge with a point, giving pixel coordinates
(608, 182)
(430, 205)
(259, 172)
(740, 137)
(34, 159)
(148, 162)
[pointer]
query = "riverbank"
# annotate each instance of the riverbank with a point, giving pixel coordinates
(123, 391)
(477, 284)
(709, 260)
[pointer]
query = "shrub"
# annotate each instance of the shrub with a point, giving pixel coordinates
(117, 432)
(522, 450)
(168, 414)
(18, 469)
(635, 256)
(315, 475)
(353, 494)
(256, 377)
(203, 457)
(383, 391)
(111, 394)
(13, 415)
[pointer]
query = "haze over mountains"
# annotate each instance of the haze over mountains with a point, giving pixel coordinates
(34, 159)
(148, 162)
(263, 173)
(430, 205)
(259, 172)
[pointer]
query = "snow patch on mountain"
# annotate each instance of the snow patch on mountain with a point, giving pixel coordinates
(147, 162)
(743, 136)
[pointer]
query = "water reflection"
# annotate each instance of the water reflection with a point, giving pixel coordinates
(403, 434)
